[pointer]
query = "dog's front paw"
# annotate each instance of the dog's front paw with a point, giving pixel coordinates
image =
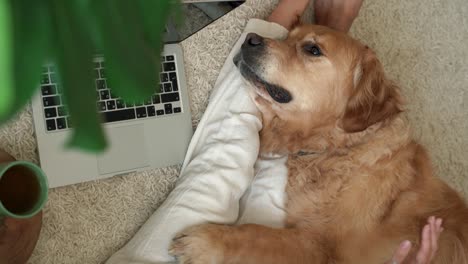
(199, 245)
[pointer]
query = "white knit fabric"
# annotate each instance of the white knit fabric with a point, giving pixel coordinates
(218, 169)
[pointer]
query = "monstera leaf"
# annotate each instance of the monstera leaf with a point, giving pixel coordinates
(6, 61)
(69, 34)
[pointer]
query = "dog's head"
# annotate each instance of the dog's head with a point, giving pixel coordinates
(317, 77)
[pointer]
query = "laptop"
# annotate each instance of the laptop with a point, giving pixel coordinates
(154, 133)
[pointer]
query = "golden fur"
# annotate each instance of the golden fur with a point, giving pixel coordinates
(358, 182)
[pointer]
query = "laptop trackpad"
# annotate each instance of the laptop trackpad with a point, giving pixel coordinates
(127, 150)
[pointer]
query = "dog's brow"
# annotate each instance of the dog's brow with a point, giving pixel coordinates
(314, 38)
(310, 37)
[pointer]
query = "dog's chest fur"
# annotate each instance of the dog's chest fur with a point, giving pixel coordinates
(330, 189)
(319, 193)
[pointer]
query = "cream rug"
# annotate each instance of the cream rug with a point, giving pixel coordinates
(422, 43)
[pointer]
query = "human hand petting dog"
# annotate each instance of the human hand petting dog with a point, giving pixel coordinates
(336, 14)
(429, 244)
(288, 12)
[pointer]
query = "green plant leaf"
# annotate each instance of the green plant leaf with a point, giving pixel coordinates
(155, 15)
(75, 50)
(31, 38)
(69, 33)
(6, 61)
(131, 48)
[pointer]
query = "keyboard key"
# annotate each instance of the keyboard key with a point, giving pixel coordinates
(169, 66)
(101, 84)
(141, 112)
(53, 79)
(164, 77)
(45, 79)
(172, 76)
(101, 106)
(97, 65)
(138, 103)
(102, 73)
(160, 112)
(111, 105)
(105, 95)
(96, 74)
(102, 64)
(161, 89)
(170, 58)
(120, 104)
(149, 102)
(98, 96)
(175, 86)
(151, 111)
(61, 123)
(50, 112)
(119, 115)
(156, 99)
(130, 104)
(170, 97)
(51, 100)
(62, 111)
(168, 108)
(48, 89)
(177, 110)
(50, 124)
(167, 87)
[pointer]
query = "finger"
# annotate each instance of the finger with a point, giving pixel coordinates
(434, 238)
(401, 253)
(439, 223)
(432, 222)
(433, 228)
(425, 249)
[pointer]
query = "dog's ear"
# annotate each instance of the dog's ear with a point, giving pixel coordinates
(373, 98)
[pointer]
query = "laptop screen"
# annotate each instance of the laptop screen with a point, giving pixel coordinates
(195, 16)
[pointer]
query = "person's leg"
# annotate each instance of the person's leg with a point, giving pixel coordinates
(337, 14)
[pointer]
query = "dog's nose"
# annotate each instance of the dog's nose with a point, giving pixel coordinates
(253, 39)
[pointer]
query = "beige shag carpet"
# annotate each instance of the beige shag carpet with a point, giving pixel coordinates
(422, 43)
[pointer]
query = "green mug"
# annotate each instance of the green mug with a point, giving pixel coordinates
(23, 189)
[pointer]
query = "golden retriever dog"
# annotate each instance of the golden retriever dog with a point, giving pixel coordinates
(358, 183)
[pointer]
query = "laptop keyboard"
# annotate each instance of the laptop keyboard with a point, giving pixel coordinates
(110, 105)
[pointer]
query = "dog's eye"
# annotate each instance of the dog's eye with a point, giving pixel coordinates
(312, 49)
